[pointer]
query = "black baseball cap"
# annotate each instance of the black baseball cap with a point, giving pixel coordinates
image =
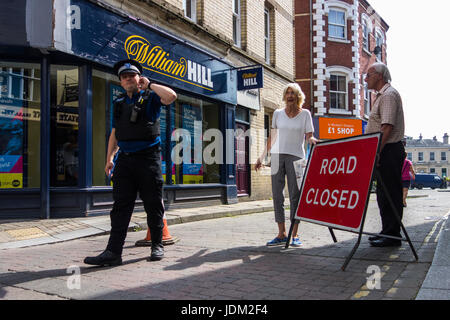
(127, 65)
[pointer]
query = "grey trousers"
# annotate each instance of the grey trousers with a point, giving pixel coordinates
(282, 167)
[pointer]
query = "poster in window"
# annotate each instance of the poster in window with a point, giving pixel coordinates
(11, 130)
(192, 122)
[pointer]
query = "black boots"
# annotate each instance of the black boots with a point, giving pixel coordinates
(109, 258)
(157, 252)
(106, 258)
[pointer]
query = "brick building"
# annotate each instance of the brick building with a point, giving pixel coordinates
(335, 43)
(57, 87)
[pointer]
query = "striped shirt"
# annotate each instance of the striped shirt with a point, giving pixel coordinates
(387, 109)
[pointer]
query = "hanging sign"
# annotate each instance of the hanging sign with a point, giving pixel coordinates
(250, 78)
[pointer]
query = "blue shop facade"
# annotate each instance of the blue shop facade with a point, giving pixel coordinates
(56, 92)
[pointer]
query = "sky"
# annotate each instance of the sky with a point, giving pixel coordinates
(418, 57)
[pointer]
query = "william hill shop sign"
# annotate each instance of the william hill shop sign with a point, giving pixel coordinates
(155, 59)
(91, 32)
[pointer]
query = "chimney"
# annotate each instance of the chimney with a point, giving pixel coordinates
(420, 137)
(445, 138)
(434, 138)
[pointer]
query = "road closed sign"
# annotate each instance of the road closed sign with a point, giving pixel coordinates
(337, 182)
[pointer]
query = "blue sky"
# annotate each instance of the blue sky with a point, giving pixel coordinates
(418, 58)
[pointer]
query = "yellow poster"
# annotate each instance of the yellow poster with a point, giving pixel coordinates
(11, 180)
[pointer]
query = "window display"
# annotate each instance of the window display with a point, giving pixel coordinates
(64, 126)
(20, 99)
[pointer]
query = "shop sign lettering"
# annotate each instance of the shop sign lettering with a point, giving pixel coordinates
(156, 59)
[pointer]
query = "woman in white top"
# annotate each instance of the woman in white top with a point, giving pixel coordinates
(291, 125)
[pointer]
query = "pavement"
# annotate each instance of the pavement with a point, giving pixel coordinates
(26, 233)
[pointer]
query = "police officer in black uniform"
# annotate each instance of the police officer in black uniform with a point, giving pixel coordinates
(136, 134)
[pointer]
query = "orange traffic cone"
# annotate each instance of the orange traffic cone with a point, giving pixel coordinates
(167, 239)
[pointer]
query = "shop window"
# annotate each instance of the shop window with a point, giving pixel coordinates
(432, 170)
(106, 89)
(242, 114)
(20, 101)
(195, 125)
(444, 172)
(64, 99)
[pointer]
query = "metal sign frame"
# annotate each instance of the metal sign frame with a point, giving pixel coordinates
(360, 232)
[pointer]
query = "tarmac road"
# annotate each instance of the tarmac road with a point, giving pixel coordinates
(226, 258)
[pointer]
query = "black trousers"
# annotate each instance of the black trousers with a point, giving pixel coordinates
(133, 173)
(390, 170)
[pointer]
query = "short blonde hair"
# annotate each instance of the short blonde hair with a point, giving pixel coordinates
(297, 91)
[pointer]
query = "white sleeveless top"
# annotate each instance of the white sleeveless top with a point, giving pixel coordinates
(291, 132)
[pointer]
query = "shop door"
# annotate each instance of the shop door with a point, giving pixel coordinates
(242, 162)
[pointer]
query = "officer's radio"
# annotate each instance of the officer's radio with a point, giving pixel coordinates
(134, 114)
(135, 111)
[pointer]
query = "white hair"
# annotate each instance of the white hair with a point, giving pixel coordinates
(382, 69)
(297, 91)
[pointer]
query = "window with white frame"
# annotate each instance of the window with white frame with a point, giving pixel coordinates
(365, 32)
(267, 35)
(444, 172)
(237, 22)
(432, 156)
(420, 156)
(338, 92)
(380, 42)
(367, 105)
(190, 9)
(337, 24)
(443, 156)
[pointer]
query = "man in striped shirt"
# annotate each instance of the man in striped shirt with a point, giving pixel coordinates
(387, 117)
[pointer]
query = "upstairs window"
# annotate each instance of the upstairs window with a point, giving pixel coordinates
(336, 24)
(338, 92)
(267, 35)
(190, 9)
(380, 42)
(420, 156)
(409, 157)
(365, 31)
(237, 22)
(443, 156)
(432, 156)
(367, 105)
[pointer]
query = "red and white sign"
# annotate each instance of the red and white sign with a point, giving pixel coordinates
(336, 183)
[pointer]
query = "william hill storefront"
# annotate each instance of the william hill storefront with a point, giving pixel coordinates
(56, 93)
